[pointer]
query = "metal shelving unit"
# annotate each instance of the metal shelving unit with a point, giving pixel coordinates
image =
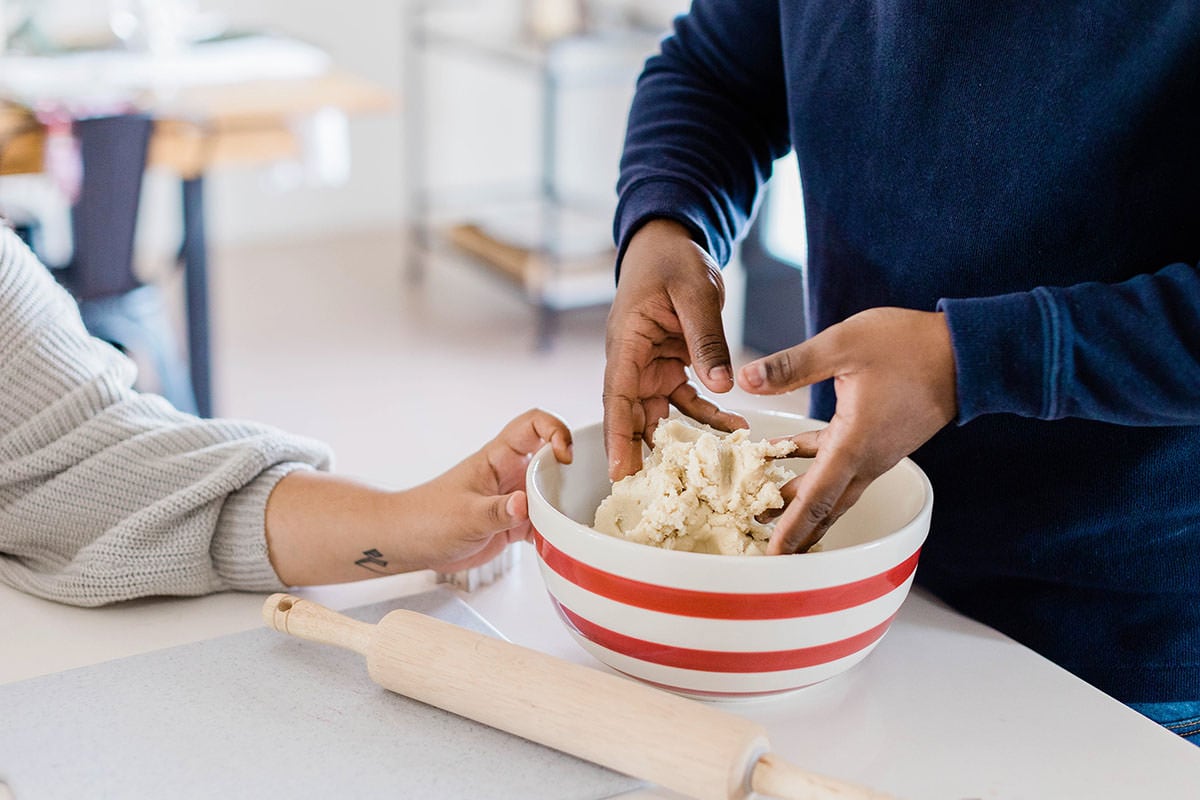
(541, 265)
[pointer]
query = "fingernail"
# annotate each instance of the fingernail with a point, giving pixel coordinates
(754, 375)
(511, 506)
(720, 373)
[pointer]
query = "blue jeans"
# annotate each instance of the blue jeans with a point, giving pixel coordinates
(1179, 718)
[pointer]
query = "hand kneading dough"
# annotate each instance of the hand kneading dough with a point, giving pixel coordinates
(700, 490)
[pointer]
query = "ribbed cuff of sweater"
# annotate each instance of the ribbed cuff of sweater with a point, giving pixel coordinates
(239, 544)
(999, 371)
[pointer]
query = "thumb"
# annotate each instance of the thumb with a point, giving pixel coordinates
(801, 365)
(699, 313)
(502, 512)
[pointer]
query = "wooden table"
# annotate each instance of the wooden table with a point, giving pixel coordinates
(196, 129)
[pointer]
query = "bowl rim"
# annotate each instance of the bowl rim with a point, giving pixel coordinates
(532, 490)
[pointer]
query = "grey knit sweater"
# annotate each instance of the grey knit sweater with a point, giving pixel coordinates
(107, 494)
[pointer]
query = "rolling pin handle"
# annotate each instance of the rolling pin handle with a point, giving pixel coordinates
(274, 611)
(307, 620)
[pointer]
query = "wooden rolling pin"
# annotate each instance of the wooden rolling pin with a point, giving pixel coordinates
(649, 734)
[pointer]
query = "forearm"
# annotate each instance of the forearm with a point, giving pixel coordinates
(324, 528)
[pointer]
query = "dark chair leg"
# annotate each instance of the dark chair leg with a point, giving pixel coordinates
(194, 255)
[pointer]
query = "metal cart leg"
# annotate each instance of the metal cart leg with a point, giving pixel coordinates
(419, 238)
(551, 205)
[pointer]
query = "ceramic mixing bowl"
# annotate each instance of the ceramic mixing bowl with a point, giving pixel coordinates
(719, 626)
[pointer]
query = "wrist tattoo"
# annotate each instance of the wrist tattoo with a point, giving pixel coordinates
(373, 561)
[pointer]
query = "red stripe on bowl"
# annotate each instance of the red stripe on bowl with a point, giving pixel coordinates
(724, 605)
(719, 660)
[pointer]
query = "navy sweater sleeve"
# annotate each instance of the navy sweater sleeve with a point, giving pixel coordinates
(707, 121)
(1127, 353)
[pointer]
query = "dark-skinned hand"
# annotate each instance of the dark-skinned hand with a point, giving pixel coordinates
(665, 317)
(894, 375)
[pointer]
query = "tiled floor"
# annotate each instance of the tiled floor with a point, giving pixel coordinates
(327, 338)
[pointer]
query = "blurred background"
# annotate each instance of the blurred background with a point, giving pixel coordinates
(386, 225)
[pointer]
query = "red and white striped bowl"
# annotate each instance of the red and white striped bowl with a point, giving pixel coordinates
(726, 626)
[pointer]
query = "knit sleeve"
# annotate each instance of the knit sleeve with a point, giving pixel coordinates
(708, 119)
(107, 494)
(1126, 353)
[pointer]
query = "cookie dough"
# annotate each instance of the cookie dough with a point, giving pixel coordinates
(700, 490)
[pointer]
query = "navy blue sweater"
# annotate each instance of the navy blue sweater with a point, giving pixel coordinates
(1032, 169)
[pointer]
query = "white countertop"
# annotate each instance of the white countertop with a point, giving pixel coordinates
(943, 709)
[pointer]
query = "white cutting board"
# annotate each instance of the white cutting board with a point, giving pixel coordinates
(263, 715)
